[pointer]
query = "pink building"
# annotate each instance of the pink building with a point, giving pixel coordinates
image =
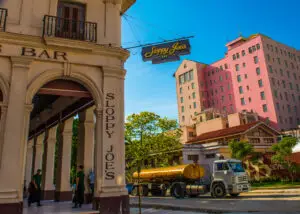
(257, 74)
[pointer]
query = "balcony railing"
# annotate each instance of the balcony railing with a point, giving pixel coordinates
(3, 16)
(69, 29)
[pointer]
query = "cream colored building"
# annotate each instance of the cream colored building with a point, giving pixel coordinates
(59, 58)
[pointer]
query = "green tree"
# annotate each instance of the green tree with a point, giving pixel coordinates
(148, 137)
(240, 149)
(283, 152)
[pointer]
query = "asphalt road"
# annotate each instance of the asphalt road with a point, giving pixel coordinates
(274, 203)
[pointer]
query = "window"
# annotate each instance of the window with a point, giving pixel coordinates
(182, 108)
(191, 74)
(233, 57)
(194, 95)
(180, 90)
(265, 108)
(221, 166)
(275, 93)
(243, 101)
(260, 83)
(255, 59)
(239, 78)
(228, 86)
(181, 79)
(244, 65)
(278, 60)
(286, 64)
(224, 109)
(195, 105)
(281, 72)
(209, 156)
(193, 157)
(273, 81)
(220, 78)
(268, 57)
(181, 99)
(237, 55)
(248, 88)
(257, 46)
(258, 71)
(222, 98)
(230, 97)
(262, 95)
(246, 76)
(288, 74)
(191, 134)
(270, 69)
(291, 86)
(237, 67)
(226, 76)
(249, 99)
(289, 108)
(253, 48)
(278, 106)
(182, 118)
(193, 85)
(221, 88)
(295, 76)
(243, 53)
(293, 97)
(241, 90)
(250, 50)
(283, 83)
(286, 96)
(221, 67)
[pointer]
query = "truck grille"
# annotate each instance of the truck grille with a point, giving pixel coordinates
(242, 179)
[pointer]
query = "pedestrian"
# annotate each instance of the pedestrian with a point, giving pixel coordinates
(79, 193)
(34, 189)
(92, 181)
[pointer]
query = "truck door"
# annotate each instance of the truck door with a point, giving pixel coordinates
(221, 171)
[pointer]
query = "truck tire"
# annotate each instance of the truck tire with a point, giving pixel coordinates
(234, 194)
(218, 190)
(145, 190)
(177, 191)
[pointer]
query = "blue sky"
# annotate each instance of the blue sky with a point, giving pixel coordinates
(213, 23)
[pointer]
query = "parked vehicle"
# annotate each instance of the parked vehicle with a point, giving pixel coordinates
(228, 177)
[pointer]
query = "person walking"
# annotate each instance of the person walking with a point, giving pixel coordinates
(79, 193)
(92, 181)
(35, 189)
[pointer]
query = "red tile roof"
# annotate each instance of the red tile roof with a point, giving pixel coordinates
(224, 132)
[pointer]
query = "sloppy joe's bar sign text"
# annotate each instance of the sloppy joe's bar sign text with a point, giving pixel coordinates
(41, 53)
(166, 52)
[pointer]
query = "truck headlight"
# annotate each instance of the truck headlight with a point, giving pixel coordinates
(233, 180)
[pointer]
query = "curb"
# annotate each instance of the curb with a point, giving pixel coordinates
(183, 208)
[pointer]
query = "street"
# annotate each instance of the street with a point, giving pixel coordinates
(274, 203)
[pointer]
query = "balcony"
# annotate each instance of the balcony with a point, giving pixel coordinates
(69, 29)
(3, 16)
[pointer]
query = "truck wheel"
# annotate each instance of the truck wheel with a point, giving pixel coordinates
(235, 194)
(177, 191)
(145, 190)
(134, 191)
(219, 190)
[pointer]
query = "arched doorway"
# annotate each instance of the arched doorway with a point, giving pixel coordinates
(51, 138)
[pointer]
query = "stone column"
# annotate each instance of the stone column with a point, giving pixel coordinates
(28, 167)
(111, 194)
(15, 139)
(48, 171)
(39, 146)
(63, 187)
(85, 151)
(2, 127)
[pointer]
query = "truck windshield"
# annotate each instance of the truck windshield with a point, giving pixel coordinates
(236, 167)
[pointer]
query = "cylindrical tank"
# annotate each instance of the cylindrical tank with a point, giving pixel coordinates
(189, 171)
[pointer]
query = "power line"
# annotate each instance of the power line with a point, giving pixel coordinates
(132, 31)
(157, 43)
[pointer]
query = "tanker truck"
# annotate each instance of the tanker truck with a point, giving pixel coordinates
(228, 177)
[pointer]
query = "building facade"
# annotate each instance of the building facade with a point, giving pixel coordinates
(59, 58)
(257, 74)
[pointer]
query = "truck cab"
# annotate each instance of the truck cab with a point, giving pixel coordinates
(228, 177)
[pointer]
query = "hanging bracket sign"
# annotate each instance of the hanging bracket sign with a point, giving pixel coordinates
(166, 52)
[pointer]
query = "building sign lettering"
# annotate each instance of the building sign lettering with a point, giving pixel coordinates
(110, 114)
(166, 52)
(110, 164)
(44, 54)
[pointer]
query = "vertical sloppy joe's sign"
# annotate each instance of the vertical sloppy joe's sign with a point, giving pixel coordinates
(110, 114)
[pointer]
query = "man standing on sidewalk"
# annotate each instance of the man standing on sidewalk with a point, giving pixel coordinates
(79, 194)
(36, 189)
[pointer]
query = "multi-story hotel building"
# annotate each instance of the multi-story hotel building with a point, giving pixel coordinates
(256, 75)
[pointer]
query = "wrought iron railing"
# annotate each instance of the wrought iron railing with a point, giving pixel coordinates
(3, 16)
(69, 29)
